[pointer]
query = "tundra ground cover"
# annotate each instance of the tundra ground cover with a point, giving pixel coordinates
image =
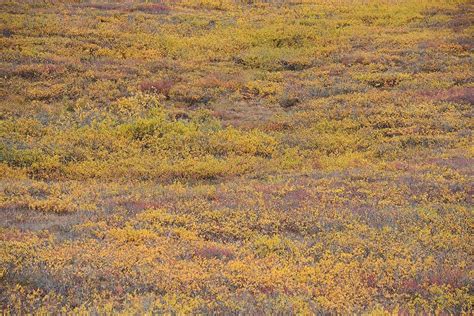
(228, 157)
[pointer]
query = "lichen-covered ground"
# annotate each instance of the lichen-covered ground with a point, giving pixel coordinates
(221, 157)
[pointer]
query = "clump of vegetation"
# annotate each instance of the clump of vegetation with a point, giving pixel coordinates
(236, 157)
(161, 87)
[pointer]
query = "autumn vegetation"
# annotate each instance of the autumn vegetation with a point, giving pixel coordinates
(236, 157)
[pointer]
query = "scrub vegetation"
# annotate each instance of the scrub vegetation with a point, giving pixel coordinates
(236, 157)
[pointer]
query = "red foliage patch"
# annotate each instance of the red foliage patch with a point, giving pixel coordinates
(214, 252)
(461, 95)
(371, 280)
(455, 95)
(33, 71)
(451, 277)
(411, 286)
(160, 86)
(155, 8)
